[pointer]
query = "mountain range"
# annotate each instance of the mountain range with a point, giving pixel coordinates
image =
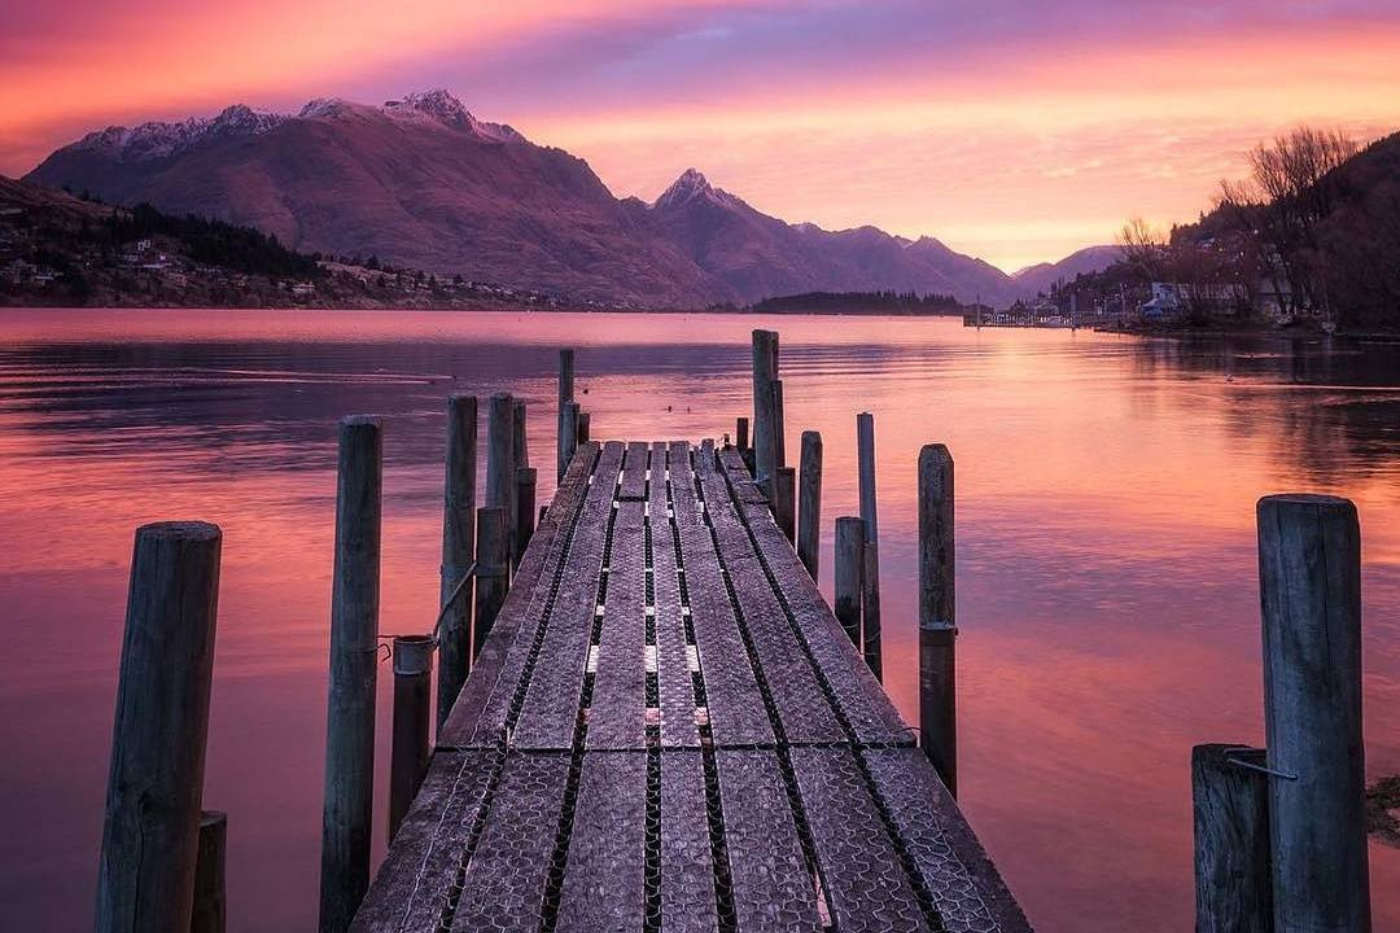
(422, 182)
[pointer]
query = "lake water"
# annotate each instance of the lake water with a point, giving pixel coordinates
(1106, 577)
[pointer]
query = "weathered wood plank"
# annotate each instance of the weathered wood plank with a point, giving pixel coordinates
(772, 887)
(966, 889)
(864, 881)
(604, 882)
(505, 882)
(420, 868)
(551, 701)
(687, 869)
(479, 716)
(617, 718)
(634, 471)
(673, 674)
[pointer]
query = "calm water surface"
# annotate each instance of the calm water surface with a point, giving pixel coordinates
(1106, 574)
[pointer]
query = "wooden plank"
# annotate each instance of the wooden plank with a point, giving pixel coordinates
(675, 683)
(617, 718)
(683, 503)
(772, 888)
(550, 709)
(479, 716)
(865, 883)
(634, 471)
(420, 868)
(968, 893)
(687, 869)
(604, 878)
(505, 882)
(804, 711)
(868, 711)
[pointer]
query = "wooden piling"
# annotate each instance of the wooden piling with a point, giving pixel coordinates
(779, 426)
(568, 426)
(458, 552)
(938, 630)
(526, 479)
(809, 512)
(585, 429)
(741, 435)
(150, 836)
(520, 442)
(785, 501)
(1310, 589)
(765, 372)
(569, 439)
(408, 762)
(349, 781)
(210, 912)
(850, 568)
(492, 574)
(1230, 804)
(500, 461)
(870, 608)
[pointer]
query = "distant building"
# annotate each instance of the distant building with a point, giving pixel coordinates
(303, 289)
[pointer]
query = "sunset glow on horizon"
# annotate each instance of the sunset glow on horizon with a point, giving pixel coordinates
(1010, 130)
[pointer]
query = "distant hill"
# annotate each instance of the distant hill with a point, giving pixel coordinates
(421, 182)
(1039, 279)
(66, 251)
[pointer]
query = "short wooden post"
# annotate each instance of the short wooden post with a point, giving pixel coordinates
(458, 552)
(349, 795)
(765, 371)
(865, 442)
(408, 762)
(150, 836)
(568, 424)
(500, 461)
(809, 512)
(569, 439)
(492, 573)
(938, 629)
(210, 913)
(741, 435)
(850, 568)
(1230, 803)
(526, 479)
(785, 501)
(585, 428)
(520, 442)
(1310, 589)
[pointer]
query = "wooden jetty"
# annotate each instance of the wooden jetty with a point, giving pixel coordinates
(668, 729)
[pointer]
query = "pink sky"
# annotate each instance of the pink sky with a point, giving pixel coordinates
(1012, 129)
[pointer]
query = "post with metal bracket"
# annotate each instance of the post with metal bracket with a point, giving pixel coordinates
(809, 511)
(413, 664)
(492, 572)
(938, 629)
(850, 565)
(458, 553)
(1310, 594)
(1230, 804)
(870, 599)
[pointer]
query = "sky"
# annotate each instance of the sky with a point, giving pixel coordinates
(1013, 130)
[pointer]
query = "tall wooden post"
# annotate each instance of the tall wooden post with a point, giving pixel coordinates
(1310, 589)
(569, 438)
(741, 435)
(779, 426)
(349, 798)
(1230, 803)
(526, 479)
(785, 501)
(865, 443)
(850, 568)
(809, 512)
(765, 372)
(408, 762)
(568, 424)
(520, 442)
(938, 629)
(210, 913)
(585, 429)
(458, 552)
(492, 572)
(500, 462)
(146, 875)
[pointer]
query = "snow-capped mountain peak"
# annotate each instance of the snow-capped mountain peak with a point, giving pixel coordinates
(158, 140)
(692, 185)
